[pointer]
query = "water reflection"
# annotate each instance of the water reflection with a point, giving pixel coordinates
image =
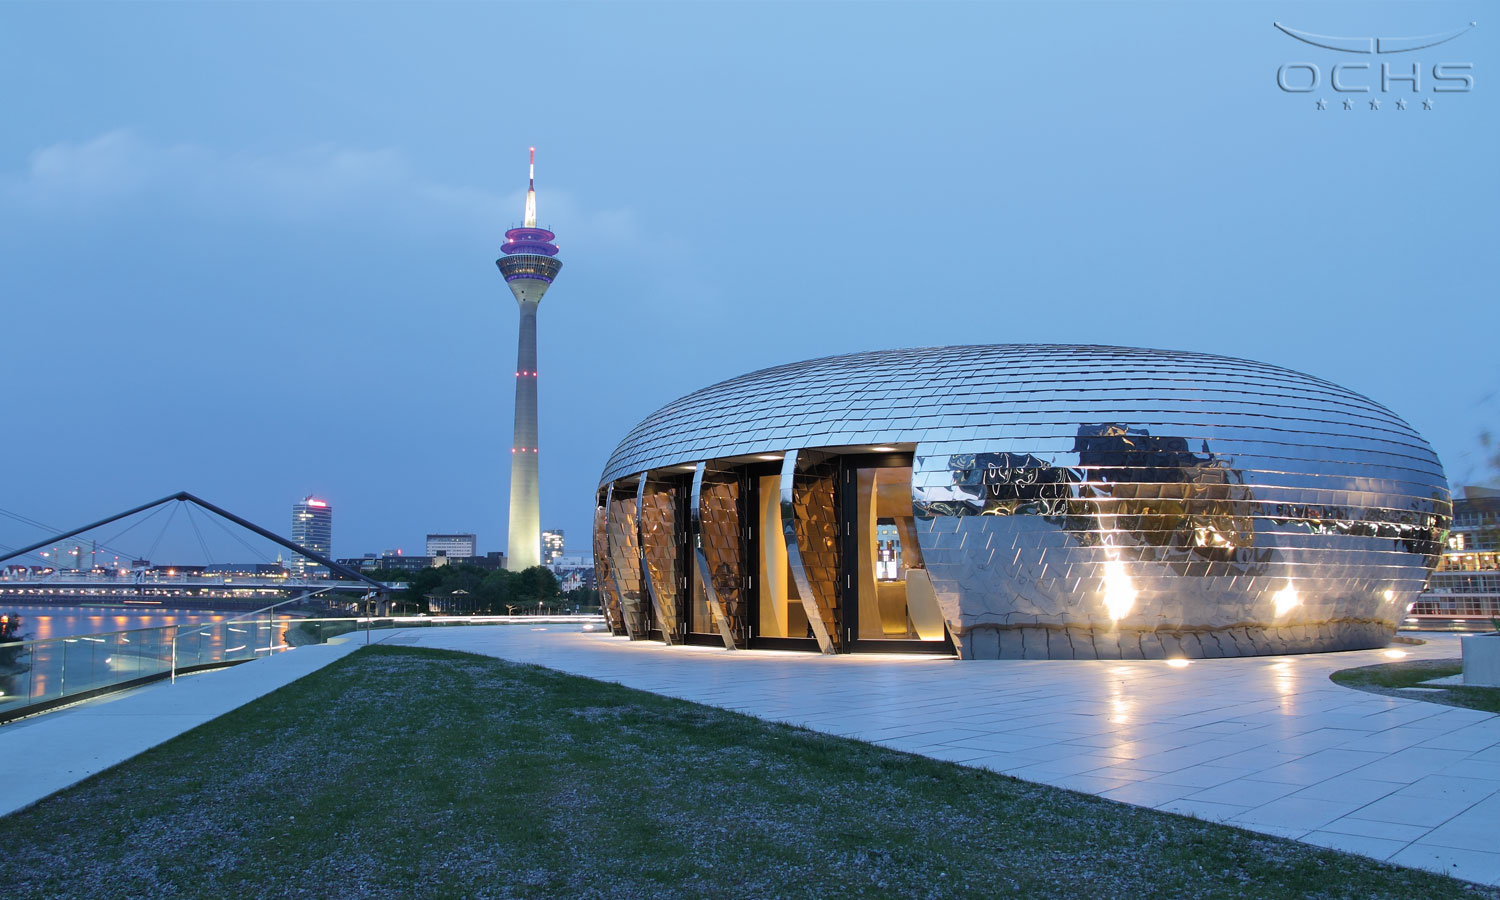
(74, 649)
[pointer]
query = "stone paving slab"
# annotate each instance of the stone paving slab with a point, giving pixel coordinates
(46, 753)
(1267, 743)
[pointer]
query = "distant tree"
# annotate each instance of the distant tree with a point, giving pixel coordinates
(12, 651)
(584, 600)
(418, 586)
(495, 591)
(537, 586)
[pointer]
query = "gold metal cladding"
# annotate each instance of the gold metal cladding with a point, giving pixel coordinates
(608, 594)
(715, 536)
(625, 563)
(658, 518)
(809, 519)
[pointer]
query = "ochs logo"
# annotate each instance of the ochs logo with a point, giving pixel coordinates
(1402, 74)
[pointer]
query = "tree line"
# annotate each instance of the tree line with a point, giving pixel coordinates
(469, 590)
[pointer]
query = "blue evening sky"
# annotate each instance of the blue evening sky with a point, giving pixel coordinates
(247, 250)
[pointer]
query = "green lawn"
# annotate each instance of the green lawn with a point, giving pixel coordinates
(1391, 678)
(400, 772)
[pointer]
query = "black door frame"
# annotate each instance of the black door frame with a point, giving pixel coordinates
(750, 501)
(687, 565)
(849, 563)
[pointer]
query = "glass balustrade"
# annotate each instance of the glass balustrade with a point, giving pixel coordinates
(35, 675)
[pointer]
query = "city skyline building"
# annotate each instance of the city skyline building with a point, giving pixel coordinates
(453, 546)
(529, 265)
(312, 527)
(552, 546)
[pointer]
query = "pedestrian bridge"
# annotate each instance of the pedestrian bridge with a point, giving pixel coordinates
(161, 589)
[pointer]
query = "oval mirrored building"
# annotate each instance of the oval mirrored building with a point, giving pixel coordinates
(1020, 501)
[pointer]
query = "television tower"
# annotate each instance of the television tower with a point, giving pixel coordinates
(529, 264)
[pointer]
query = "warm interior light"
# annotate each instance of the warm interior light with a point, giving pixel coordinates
(883, 449)
(1286, 598)
(1178, 663)
(1395, 654)
(770, 456)
(1119, 592)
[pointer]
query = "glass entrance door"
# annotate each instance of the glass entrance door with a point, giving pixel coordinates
(893, 598)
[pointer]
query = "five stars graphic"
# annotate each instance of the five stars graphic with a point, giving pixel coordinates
(1375, 104)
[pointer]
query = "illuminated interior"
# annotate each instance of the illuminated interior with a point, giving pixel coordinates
(781, 612)
(895, 596)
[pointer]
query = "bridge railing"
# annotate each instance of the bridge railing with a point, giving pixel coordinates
(43, 674)
(149, 579)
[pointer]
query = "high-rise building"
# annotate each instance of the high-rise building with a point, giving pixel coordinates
(552, 546)
(312, 527)
(453, 546)
(529, 265)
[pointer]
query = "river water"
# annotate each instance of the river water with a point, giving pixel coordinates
(38, 623)
(82, 648)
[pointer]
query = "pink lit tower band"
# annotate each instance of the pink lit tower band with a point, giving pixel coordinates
(529, 264)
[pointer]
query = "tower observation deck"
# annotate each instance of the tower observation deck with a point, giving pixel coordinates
(529, 264)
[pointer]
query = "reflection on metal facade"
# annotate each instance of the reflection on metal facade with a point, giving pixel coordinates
(625, 561)
(809, 516)
(609, 597)
(658, 518)
(1096, 502)
(716, 519)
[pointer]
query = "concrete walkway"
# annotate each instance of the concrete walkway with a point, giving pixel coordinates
(1268, 744)
(49, 752)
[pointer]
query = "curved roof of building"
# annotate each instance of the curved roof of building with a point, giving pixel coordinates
(1032, 398)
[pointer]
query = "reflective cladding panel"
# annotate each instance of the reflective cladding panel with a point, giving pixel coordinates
(1103, 501)
(809, 514)
(659, 545)
(718, 549)
(1143, 546)
(625, 561)
(609, 597)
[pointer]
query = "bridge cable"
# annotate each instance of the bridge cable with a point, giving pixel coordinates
(126, 530)
(242, 542)
(193, 521)
(35, 555)
(152, 552)
(106, 546)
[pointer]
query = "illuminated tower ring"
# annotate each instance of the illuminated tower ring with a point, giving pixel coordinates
(529, 265)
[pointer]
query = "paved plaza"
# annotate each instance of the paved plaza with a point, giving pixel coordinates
(1267, 743)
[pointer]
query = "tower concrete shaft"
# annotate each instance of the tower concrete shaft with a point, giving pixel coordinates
(529, 265)
(523, 546)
